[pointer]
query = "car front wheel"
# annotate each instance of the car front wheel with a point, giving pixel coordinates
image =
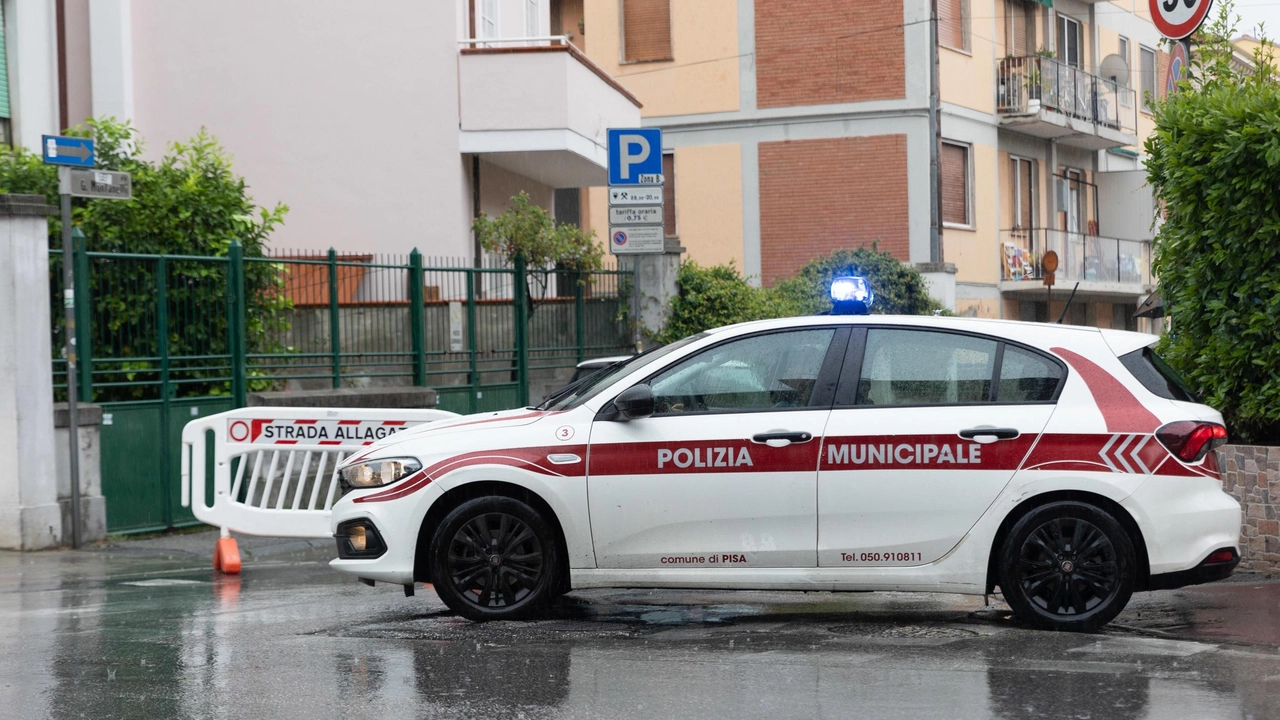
(495, 558)
(1067, 566)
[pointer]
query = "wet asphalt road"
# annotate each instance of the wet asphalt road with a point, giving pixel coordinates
(126, 634)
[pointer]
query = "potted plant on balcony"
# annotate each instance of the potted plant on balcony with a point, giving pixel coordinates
(1035, 81)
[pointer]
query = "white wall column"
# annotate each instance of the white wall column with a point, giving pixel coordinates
(111, 58)
(31, 34)
(30, 516)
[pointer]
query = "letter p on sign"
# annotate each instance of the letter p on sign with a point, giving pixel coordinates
(632, 153)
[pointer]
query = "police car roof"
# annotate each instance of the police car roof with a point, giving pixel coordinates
(1120, 341)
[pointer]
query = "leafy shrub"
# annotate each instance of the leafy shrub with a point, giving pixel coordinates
(715, 296)
(189, 202)
(1215, 164)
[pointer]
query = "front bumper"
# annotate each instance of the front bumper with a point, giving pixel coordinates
(398, 522)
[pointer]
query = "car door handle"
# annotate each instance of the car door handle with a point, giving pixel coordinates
(982, 433)
(781, 438)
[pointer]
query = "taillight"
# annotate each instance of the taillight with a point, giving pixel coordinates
(1224, 555)
(1191, 440)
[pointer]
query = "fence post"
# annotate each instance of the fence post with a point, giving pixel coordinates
(415, 317)
(521, 297)
(473, 371)
(579, 313)
(335, 328)
(235, 325)
(83, 308)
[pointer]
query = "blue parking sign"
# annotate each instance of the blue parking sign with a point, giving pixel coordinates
(634, 152)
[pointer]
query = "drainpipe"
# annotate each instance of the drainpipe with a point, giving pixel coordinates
(475, 209)
(935, 143)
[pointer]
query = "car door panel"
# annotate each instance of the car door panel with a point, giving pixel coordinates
(919, 444)
(693, 485)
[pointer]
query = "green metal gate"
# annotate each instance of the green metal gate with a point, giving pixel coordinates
(164, 339)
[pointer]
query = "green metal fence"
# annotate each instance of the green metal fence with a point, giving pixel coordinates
(164, 339)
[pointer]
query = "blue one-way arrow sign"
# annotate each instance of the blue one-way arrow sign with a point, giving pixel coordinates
(70, 151)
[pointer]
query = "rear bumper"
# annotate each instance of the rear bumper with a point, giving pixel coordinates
(1205, 572)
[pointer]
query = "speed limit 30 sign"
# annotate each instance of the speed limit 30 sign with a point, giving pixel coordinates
(1176, 19)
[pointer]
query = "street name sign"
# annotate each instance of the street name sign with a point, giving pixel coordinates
(1176, 19)
(633, 153)
(72, 152)
(102, 184)
(637, 240)
(635, 195)
(645, 215)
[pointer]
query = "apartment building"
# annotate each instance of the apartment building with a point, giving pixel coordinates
(384, 126)
(793, 129)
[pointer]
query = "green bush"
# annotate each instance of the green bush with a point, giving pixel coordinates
(714, 296)
(189, 202)
(1215, 165)
(900, 289)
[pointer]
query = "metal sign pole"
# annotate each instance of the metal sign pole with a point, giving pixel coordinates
(635, 303)
(69, 306)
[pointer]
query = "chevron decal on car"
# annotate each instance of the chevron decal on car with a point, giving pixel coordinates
(1128, 455)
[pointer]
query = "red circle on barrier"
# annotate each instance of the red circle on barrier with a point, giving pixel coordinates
(239, 431)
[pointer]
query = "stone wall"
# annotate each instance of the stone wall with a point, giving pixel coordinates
(1252, 475)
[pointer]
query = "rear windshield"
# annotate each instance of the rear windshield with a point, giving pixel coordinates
(1157, 376)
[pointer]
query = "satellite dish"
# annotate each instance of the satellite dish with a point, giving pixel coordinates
(1115, 69)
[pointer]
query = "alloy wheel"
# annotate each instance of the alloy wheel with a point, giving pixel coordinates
(1068, 567)
(495, 560)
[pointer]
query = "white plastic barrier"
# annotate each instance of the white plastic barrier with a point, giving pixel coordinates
(275, 469)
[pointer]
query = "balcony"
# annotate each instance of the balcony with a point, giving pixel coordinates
(540, 108)
(1042, 97)
(1106, 268)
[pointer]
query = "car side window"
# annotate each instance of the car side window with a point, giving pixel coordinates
(919, 367)
(1027, 377)
(762, 372)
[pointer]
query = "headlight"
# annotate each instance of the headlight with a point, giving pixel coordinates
(376, 473)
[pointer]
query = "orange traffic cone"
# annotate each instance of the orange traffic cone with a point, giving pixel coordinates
(226, 555)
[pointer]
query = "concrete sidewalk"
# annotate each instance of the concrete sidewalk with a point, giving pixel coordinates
(199, 544)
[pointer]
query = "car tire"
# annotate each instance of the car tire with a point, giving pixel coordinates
(495, 558)
(1067, 566)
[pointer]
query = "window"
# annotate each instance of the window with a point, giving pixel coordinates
(1024, 183)
(1156, 375)
(532, 23)
(1147, 76)
(955, 184)
(487, 21)
(1020, 28)
(763, 372)
(1069, 44)
(953, 24)
(1123, 52)
(646, 30)
(1026, 377)
(916, 367)
(669, 195)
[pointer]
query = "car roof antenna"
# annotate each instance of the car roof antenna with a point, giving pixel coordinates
(1067, 307)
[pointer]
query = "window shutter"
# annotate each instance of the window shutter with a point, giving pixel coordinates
(669, 195)
(955, 181)
(646, 28)
(952, 30)
(1020, 28)
(1026, 209)
(4, 71)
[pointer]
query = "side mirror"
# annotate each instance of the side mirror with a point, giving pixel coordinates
(635, 402)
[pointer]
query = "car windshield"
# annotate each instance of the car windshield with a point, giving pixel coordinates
(590, 386)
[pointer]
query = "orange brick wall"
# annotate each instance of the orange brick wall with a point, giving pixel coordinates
(846, 52)
(817, 196)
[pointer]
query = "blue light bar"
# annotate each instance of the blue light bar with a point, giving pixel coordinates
(851, 295)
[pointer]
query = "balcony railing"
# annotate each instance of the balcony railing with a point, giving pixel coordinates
(1029, 84)
(1083, 257)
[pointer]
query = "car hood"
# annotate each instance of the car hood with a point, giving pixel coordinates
(468, 423)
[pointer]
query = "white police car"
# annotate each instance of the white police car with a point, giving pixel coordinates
(1064, 465)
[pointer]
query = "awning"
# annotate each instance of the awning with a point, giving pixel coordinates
(1152, 307)
(1046, 3)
